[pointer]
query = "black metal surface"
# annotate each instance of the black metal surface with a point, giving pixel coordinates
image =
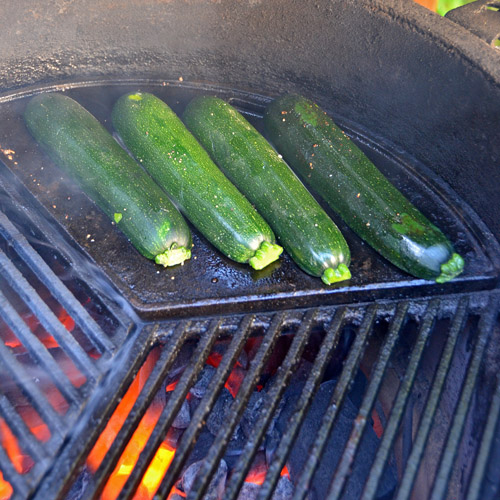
(210, 283)
(364, 319)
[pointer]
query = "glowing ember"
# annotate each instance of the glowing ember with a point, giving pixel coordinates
(126, 464)
(257, 474)
(103, 444)
(5, 488)
(21, 462)
(170, 387)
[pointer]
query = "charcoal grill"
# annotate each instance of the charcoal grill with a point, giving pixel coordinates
(426, 354)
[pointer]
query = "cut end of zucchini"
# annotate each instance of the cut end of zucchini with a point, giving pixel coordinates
(451, 268)
(340, 273)
(173, 256)
(135, 97)
(265, 254)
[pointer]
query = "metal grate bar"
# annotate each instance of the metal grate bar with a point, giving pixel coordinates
(31, 391)
(454, 437)
(293, 425)
(420, 441)
(217, 383)
(359, 425)
(45, 274)
(19, 429)
(238, 406)
(399, 405)
(340, 391)
(269, 406)
(16, 480)
(475, 486)
(186, 381)
(38, 351)
(47, 318)
(151, 387)
(95, 415)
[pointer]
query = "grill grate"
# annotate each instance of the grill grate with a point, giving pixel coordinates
(171, 341)
(87, 349)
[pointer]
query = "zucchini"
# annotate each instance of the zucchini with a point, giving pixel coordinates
(159, 140)
(331, 164)
(303, 228)
(81, 146)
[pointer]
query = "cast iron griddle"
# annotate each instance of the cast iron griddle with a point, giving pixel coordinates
(209, 282)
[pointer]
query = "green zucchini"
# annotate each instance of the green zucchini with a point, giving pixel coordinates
(81, 146)
(159, 140)
(331, 164)
(303, 228)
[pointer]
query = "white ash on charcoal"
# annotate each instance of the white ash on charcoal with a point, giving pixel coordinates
(249, 491)
(203, 383)
(251, 416)
(183, 417)
(216, 487)
(221, 412)
(172, 437)
(284, 490)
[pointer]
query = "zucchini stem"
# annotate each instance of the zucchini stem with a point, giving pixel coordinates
(173, 256)
(340, 273)
(264, 255)
(453, 267)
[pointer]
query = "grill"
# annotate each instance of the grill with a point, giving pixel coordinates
(236, 385)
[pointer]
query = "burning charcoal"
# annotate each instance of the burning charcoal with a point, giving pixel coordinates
(217, 485)
(220, 412)
(235, 379)
(200, 388)
(182, 418)
(243, 360)
(257, 475)
(284, 489)
(249, 491)
(180, 363)
(173, 436)
(258, 471)
(271, 443)
(176, 496)
(252, 414)
(335, 445)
